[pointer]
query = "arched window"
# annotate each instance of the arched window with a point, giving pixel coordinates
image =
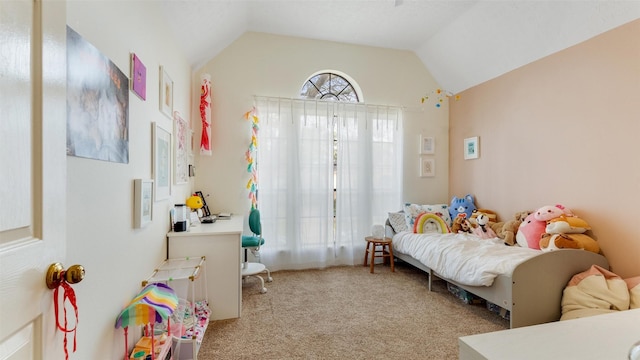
(329, 86)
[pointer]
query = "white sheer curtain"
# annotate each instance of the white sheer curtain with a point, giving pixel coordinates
(295, 161)
(369, 173)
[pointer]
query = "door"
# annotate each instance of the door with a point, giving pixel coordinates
(32, 174)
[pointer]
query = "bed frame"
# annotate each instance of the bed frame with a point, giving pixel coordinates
(533, 293)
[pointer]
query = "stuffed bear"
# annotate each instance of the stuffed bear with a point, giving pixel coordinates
(507, 230)
(461, 224)
(551, 242)
(483, 230)
(462, 205)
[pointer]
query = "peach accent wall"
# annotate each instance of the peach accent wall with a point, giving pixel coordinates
(562, 130)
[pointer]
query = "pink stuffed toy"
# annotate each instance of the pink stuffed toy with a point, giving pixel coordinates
(534, 225)
(547, 213)
(530, 231)
(483, 230)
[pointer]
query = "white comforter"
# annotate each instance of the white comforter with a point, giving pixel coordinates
(464, 258)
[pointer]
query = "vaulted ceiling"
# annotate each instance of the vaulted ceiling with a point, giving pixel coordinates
(461, 42)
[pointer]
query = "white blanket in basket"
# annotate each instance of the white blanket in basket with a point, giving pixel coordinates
(464, 258)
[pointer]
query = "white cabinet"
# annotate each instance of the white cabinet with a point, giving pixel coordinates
(221, 244)
(189, 321)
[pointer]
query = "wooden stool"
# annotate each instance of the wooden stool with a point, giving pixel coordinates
(385, 251)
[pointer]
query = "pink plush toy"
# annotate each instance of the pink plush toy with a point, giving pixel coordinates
(483, 230)
(548, 212)
(530, 231)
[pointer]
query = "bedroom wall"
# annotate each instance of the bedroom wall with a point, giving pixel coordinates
(100, 194)
(561, 130)
(269, 65)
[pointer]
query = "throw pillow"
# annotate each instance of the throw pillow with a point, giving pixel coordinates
(441, 210)
(411, 212)
(398, 222)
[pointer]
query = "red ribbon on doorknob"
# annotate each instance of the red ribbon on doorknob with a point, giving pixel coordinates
(60, 279)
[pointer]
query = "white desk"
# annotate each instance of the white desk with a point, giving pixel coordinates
(608, 336)
(221, 244)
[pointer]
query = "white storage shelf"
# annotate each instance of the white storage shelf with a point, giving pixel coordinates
(184, 275)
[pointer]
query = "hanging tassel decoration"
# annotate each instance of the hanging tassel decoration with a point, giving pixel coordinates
(252, 184)
(205, 114)
(67, 294)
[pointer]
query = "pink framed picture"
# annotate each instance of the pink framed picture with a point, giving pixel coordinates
(138, 77)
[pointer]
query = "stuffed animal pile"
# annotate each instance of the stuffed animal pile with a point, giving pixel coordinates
(548, 228)
(555, 227)
(465, 215)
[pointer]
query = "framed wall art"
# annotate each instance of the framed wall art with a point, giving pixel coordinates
(161, 162)
(166, 93)
(471, 148)
(427, 145)
(97, 103)
(143, 202)
(427, 167)
(138, 77)
(181, 147)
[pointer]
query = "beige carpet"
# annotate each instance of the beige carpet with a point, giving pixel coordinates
(347, 313)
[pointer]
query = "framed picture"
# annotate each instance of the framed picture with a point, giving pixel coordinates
(427, 145)
(181, 146)
(143, 202)
(97, 103)
(427, 167)
(471, 148)
(138, 77)
(166, 93)
(161, 162)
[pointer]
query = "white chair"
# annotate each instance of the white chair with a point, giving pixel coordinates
(253, 243)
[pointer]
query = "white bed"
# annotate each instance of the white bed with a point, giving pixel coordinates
(528, 283)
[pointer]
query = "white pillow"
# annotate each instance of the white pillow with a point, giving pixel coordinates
(441, 210)
(398, 222)
(411, 211)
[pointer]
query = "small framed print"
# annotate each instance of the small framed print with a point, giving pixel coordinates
(138, 77)
(181, 133)
(427, 145)
(471, 148)
(143, 202)
(166, 93)
(427, 167)
(161, 162)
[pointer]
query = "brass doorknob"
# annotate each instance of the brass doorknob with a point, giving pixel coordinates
(56, 274)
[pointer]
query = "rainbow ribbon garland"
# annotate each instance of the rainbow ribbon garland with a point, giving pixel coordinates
(252, 168)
